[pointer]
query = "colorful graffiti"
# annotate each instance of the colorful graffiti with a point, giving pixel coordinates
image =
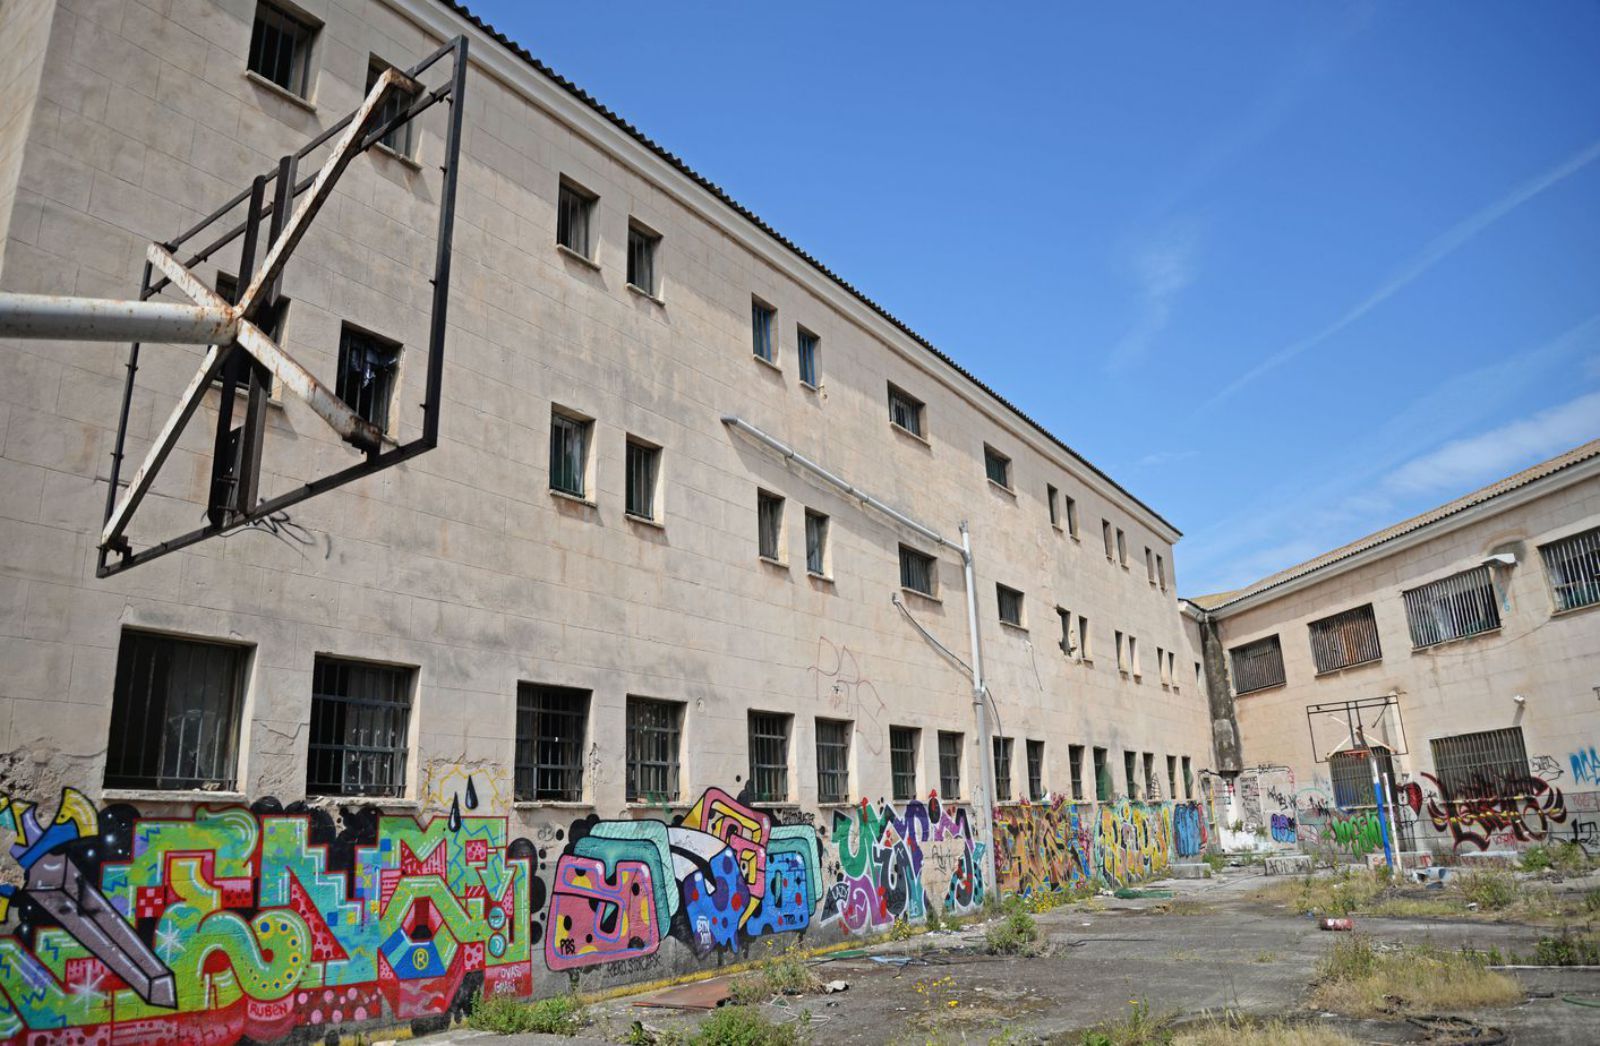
(1356, 833)
(250, 923)
(1585, 765)
(1492, 809)
(891, 864)
(1283, 828)
(1055, 845)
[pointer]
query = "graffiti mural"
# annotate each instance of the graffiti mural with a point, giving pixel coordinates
(1585, 765)
(1283, 828)
(1496, 810)
(1055, 845)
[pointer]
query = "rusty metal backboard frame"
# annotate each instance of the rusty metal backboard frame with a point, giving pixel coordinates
(250, 359)
(1365, 723)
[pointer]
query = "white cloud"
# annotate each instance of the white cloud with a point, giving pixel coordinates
(1167, 457)
(1467, 463)
(1162, 270)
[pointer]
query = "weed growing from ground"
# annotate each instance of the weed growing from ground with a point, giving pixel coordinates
(1357, 978)
(1137, 1029)
(780, 973)
(507, 1015)
(934, 921)
(1566, 949)
(901, 930)
(1489, 889)
(743, 1026)
(1015, 934)
(1246, 1031)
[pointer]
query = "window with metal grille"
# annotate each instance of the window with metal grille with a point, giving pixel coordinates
(1010, 601)
(1075, 770)
(175, 713)
(1347, 638)
(1035, 770)
(1052, 498)
(997, 466)
(574, 214)
(551, 724)
(569, 452)
(1072, 517)
(905, 410)
(1002, 769)
(1068, 647)
(949, 765)
(1490, 762)
(810, 353)
(769, 526)
(280, 48)
(398, 139)
(816, 543)
(655, 732)
(833, 761)
(1257, 665)
(360, 728)
(1461, 605)
(1351, 774)
(1188, 779)
(642, 460)
(762, 316)
(1172, 777)
(916, 571)
(903, 741)
(1130, 773)
(769, 757)
(1152, 787)
(1102, 776)
(367, 368)
(1573, 566)
(642, 244)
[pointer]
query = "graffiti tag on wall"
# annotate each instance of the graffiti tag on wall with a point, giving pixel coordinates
(1056, 845)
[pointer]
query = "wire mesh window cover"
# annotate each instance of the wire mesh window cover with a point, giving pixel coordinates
(574, 208)
(1345, 639)
(916, 571)
(175, 713)
(810, 346)
(903, 742)
(641, 468)
(1488, 763)
(569, 453)
(816, 543)
(398, 102)
(1351, 773)
(1010, 601)
(551, 724)
(769, 525)
(1075, 770)
(905, 411)
(1257, 665)
(997, 466)
(1102, 776)
(949, 765)
(642, 258)
(654, 734)
(280, 48)
(1035, 770)
(769, 757)
(1002, 769)
(367, 368)
(833, 761)
(1461, 605)
(761, 323)
(360, 719)
(1573, 565)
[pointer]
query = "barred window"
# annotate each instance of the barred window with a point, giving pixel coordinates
(810, 349)
(1010, 601)
(1002, 769)
(367, 368)
(642, 244)
(655, 731)
(1461, 605)
(280, 48)
(816, 543)
(1075, 770)
(769, 757)
(949, 764)
(917, 571)
(833, 761)
(574, 214)
(360, 722)
(1035, 770)
(569, 452)
(1573, 566)
(1490, 762)
(552, 723)
(1102, 776)
(175, 713)
(905, 410)
(762, 316)
(1351, 773)
(1345, 639)
(400, 101)
(997, 466)
(769, 526)
(641, 464)
(903, 742)
(1257, 666)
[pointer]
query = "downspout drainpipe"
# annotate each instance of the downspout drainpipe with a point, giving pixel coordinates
(980, 694)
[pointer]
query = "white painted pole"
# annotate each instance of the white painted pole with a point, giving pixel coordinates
(112, 319)
(1394, 826)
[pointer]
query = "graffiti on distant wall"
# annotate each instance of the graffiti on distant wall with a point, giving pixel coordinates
(1585, 764)
(1054, 845)
(1492, 809)
(1283, 828)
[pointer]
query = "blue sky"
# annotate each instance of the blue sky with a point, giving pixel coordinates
(1289, 272)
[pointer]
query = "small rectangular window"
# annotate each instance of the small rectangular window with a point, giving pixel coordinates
(1068, 647)
(1105, 535)
(1161, 666)
(280, 48)
(1130, 774)
(569, 452)
(1461, 605)
(997, 466)
(769, 526)
(552, 724)
(1133, 658)
(1188, 779)
(1150, 566)
(642, 245)
(816, 543)
(950, 745)
(642, 465)
(655, 737)
(1345, 639)
(762, 319)
(833, 761)
(398, 140)
(1002, 769)
(917, 572)
(1161, 572)
(1490, 762)
(1152, 787)
(1072, 517)
(1085, 648)
(1172, 777)
(367, 368)
(1122, 548)
(574, 216)
(903, 742)
(1102, 776)
(769, 757)
(1199, 677)
(1052, 498)
(175, 713)
(1075, 770)
(810, 357)
(1172, 669)
(360, 728)
(905, 411)
(1122, 653)
(1573, 568)
(1035, 771)
(1257, 665)
(1010, 605)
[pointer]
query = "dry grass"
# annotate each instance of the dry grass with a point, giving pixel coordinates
(1489, 895)
(1360, 980)
(1247, 1032)
(1184, 907)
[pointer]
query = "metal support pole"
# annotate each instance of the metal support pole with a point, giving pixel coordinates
(113, 319)
(980, 702)
(1394, 822)
(1383, 820)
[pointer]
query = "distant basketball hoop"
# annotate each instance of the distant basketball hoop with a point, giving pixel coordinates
(1367, 723)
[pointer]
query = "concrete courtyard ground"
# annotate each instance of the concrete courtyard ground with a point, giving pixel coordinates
(1215, 948)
